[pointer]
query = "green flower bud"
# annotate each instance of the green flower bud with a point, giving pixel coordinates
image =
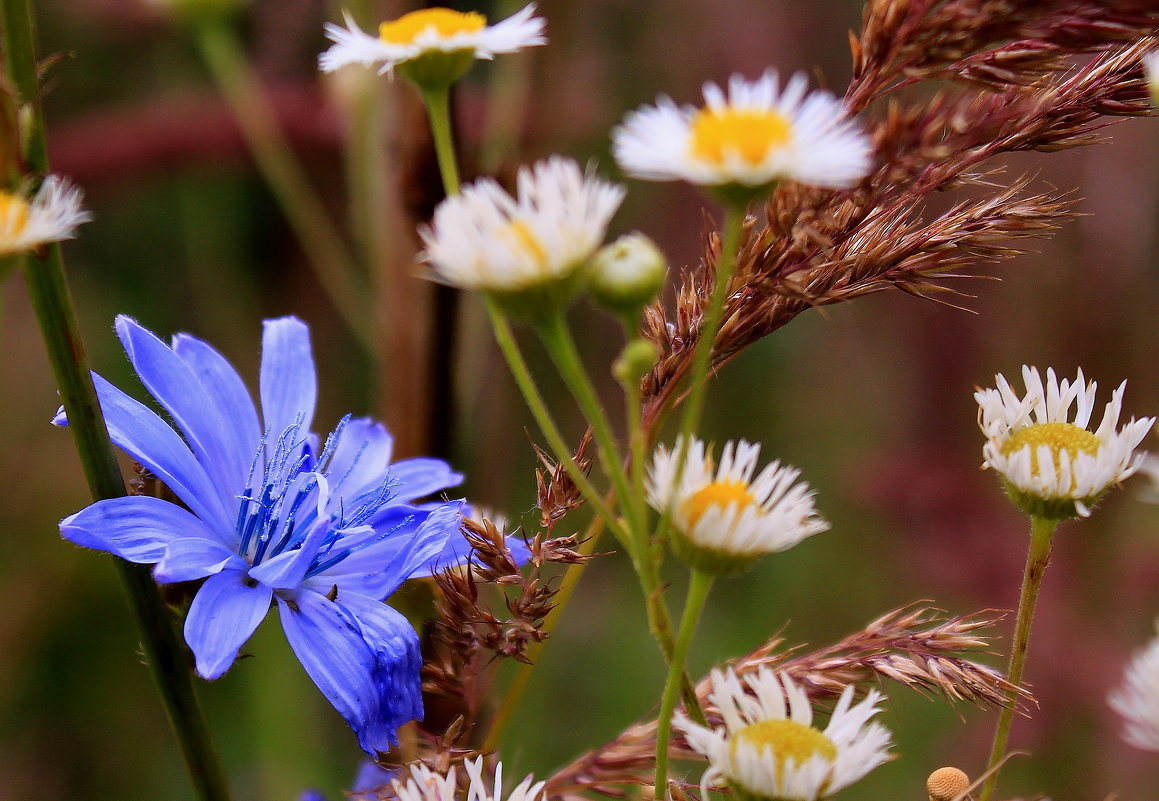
(627, 274)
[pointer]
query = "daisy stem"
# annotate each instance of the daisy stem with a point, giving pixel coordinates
(438, 103)
(710, 322)
(637, 447)
(324, 247)
(505, 337)
(49, 294)
(698, 589)
(702, 355)
(1041, 537)
(561, 346)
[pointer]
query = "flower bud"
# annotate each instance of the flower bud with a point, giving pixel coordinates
(639, 356)
(627, 274)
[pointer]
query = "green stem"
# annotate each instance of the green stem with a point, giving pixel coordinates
(706, 338)
(562, 348)
(1041, 537)
(52, 303)
(531, 395)
(324, 247)
(698, 589)
(438, 103)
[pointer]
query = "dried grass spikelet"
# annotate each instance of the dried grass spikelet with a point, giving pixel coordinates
(915, 646)
(467, 634)
(946, 784)
(1014, 86)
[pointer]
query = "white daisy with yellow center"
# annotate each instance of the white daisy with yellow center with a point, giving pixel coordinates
(768, 747)
(755, 136)
(723, 518)
(487, 240)
(1053, 466)
(50, 216)
(430, 31)
(424, 784)
(1137, 700)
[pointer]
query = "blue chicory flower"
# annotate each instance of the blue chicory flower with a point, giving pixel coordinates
(268, 517)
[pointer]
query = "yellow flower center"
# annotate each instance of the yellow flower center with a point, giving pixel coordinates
(785, 740)
(1057, 437)
(749, 133)
(525, 239)
(13, 214)
(718, 493)
(445, 21)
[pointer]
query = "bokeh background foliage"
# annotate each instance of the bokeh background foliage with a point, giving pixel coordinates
(871, 399)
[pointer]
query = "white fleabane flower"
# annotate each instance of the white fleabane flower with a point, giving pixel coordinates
(1137, 700)
(724, 518)
(755, 136)
(430, 31)
(1151, 72)
(1055, 467)
(768, 747)
(51, 215)
(424, 784)
(487, 240)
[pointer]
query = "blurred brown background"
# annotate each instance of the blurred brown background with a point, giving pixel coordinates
(871, 399)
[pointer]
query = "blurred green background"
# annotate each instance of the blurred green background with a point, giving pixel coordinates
(872, 399)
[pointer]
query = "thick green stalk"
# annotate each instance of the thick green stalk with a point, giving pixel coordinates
(1041, 537)
(52, 303)
(698, 589)
(325, 249)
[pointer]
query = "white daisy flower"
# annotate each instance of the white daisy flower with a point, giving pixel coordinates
(768, 747)
(423, 784)
(754, 137)
(485, 239)
(50, 216)
(722, 517)
(1137, 700)
(1053, 466)
(1151, 72)
(430, 31)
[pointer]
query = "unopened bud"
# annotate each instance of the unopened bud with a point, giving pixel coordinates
(627, 274)
(638, 358)
(946, 784)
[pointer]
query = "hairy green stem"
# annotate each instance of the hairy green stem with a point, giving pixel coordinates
(52, 303)
(1037, 558)
(698, 589)
(325, 249)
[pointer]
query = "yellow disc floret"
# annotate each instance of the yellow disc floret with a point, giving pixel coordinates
(785, 740)
(749, 133)
(1057, 437)
(445, 22)
(13, 214)
(718, 493)
(526, 240)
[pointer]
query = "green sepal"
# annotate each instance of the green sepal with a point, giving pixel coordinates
(712, 561)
